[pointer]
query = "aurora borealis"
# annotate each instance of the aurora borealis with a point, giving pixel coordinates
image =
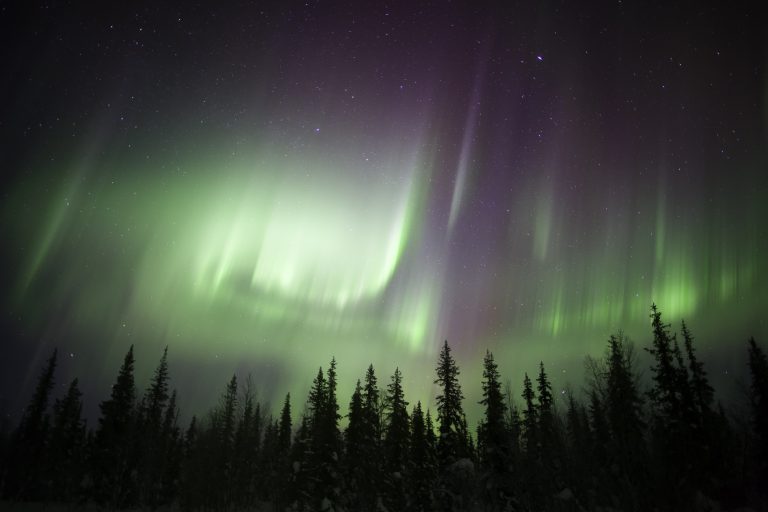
(262, 187)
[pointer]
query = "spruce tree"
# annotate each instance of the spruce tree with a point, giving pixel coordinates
(173, 451)
(623, 405)
(431, 436)
(451, 444)
(297, 493)
(421, 469)
(284, 433)
(493, 438)
(579, 445)
(707, 430)
(322, 464)
(371, 406)
(272, 462)
(370, 461)
(151, 440)
(311, 446)
(599, 428)
(317, 403)
(66, 451)
(672, 415)
(224, 425)
(549, 448)
(332, 406)
(24, 481)
(530, 419)
(246, 447)
(396, 443)
(115, 461)
(545, 412)
(758, 394)
(703, 392)
(354, 433)
(353, 453)
(665, 393)
(331, 444)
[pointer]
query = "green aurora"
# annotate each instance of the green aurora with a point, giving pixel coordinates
(262, 189)
(292, 261)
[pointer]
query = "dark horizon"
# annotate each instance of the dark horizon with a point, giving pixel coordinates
(261, 187)
(671, 436)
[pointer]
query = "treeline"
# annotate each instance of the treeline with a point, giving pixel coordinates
(623, 447)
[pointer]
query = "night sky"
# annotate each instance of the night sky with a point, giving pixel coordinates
(262, 187)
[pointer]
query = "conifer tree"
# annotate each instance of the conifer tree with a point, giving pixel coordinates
(193, 488)
(396, 443)
(311, 446)
(664, 394)
(272, 462)
(115, 461)
(703, 392)
(451, 444)
(623, 406)
(707, 430)
(580, 445)
(173, 450)
(493, 438)
(369, 463)
(298, 491)
(284, 432)
(66, 451)
(246, 447)
(397, 431)
(530, 419)
(549, 449)
(371, 407)
(24, 481)
(224, 425)
(758, 368)
(323, 463)
(331, 444)
(353, 453)
(354, 432)
(545, 413)
(151, 441)
(515, 427)
(422, 468)
(672, 415)
(599, 428)
(431, 436)
(332, 406)
(316, 402)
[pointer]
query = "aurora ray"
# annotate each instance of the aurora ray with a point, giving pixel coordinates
(343, 183)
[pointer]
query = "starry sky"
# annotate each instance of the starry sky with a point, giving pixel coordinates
(262, 186)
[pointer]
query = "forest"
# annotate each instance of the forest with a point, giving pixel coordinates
(623, 445)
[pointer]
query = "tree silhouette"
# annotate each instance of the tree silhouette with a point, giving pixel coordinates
(607, 453)
(246, 446)
(27, 456)
(493, 439)
(451, 444)
(284, 431)
(321, 461)
(396, 443)
(354, 438)
(421, 473)
(66, 451)
(115, 458)
(758, 368)
(530, 419)
(151, 436)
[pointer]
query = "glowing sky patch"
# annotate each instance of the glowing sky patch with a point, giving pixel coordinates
(366, 184)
